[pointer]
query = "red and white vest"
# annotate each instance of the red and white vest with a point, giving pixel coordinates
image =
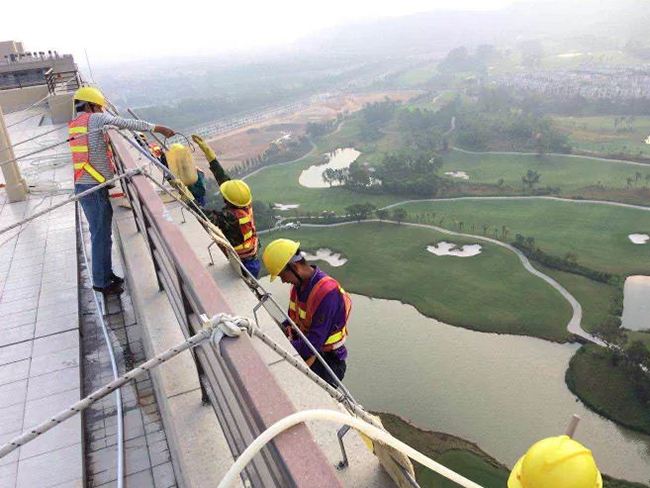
(81, 154)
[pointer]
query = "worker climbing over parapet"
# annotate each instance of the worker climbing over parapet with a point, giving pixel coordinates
(556, 462)
(318, 305)
(236, 219)
(92, 159)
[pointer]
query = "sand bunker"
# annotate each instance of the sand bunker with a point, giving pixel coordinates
(636, 303)
(449, 249)
(282, 206)
(324, 254)
(458, 174)
(639, 238)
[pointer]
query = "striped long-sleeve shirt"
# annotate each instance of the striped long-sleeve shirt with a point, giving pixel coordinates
(97, 144)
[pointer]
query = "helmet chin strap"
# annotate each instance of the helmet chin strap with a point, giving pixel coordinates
(293, 271)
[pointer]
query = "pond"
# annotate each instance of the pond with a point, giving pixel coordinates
(312, 177)
(636, 303)
(502, 392)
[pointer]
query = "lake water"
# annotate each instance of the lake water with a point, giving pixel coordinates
(502, 392)
(312, 177)
(636, 303)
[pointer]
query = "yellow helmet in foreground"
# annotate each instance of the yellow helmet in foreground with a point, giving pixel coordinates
(278, 254)
(556, 462)
(236, 192)
(90, 94)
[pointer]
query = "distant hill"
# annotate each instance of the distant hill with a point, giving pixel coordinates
(438, 32)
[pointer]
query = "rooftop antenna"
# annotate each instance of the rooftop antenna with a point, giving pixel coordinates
(90, 70)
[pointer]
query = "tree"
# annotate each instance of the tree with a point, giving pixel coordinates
(329, 176)
(360, 211)
(485, 228)
(399, 214)
(531, 178)
(647, 180)
(610, 332)
(383, 214)
(629, 182)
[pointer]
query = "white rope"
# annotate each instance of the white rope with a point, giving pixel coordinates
(118, 394)
(210, 327)
(337, 417)
(71, 199)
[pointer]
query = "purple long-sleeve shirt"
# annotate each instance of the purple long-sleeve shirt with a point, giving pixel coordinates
(329, 316)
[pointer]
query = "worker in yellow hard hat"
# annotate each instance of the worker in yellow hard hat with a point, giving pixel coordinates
(236, 219)
(93, 164)
(318, 305)
(556, 462)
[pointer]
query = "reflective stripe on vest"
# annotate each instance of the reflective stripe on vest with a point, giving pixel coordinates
(80, 152)
(246, 220)
(303, 313)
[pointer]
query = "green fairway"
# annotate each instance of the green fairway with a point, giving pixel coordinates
(608, 135)
(596, 233)
(606, 388)
(417, 76)
(490, 292)
(595, 298)
(564, 172)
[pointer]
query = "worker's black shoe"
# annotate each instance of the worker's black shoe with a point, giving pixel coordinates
(112, 289)
(116, 280)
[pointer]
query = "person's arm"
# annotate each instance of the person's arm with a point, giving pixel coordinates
(321, 326)
(229, 225)
(134, 124)
(217, 170)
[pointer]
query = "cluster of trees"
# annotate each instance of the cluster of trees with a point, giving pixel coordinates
(411, 172)
(633, 180)
(568, 262)
(423, 129)
(375, 117)
(275, 153)
(362, 211)
(500, 128)
(461, 60)
(317, 129)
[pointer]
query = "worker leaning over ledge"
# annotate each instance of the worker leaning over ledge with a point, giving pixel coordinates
(236, 219)
(556, 462)
(92, 158)
(318, 305)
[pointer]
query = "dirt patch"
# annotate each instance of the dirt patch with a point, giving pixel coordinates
(251, 141)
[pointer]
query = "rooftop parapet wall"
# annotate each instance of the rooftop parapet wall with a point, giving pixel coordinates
(247, 395)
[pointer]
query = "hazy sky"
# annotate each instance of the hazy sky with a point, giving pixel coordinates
(113, 30)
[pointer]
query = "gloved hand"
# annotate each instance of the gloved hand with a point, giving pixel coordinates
(207, 150)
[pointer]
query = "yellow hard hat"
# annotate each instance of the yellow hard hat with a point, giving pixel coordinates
(90, 94)
(556, 462)
(236, 192)
(278, 254)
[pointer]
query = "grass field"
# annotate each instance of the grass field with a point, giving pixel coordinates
(596, 233)
(564, 172)
(602, 135)
(490, 292)
(417, 76)
(607, 389)
(594, 297)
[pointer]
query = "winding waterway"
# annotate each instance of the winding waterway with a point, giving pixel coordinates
(502, 392)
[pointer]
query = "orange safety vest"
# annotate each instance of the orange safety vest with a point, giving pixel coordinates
(80, 152)
(303, 313)
(248, 247)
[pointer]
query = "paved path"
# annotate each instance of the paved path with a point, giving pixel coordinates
(577, 156)
(560, 199)
(573, 325)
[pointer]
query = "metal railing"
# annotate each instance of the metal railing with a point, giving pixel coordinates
(245, 395)
(62, 82)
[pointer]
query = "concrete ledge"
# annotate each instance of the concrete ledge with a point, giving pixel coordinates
(364, 469)
(199, 450)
